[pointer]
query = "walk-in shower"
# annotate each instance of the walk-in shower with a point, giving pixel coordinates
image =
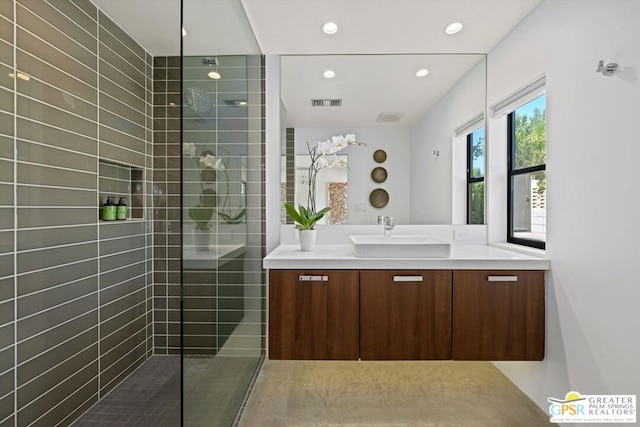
(157, 316)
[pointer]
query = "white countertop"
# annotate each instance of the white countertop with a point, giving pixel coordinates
(212, 258)
(462, 257)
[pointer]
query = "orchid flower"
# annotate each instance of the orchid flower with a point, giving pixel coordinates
(189, 149)
(319, 160)
(211, 162)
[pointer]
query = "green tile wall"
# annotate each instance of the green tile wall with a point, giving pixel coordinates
(215, 301)
(7, 256)
(75, 293)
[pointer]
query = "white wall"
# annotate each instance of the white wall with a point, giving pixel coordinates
(396, 142)
(593, 290)
(431, 175)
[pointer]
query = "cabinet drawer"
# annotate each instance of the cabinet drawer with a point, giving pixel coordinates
(405, 314)
(313, 314)
(498, 315)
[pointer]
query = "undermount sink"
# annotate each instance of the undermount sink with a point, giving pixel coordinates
(371, 246)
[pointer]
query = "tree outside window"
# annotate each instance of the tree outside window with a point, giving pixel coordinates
(527, 178)
(475, 177)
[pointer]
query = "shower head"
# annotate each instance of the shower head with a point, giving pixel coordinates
(210, 61)
(197, 99)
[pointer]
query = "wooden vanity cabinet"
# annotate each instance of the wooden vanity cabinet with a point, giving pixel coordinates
(313, 314)
(498, 315)
(405, 315)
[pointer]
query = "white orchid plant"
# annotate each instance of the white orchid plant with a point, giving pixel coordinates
(323, 155)
(209, 165)
(212, 162)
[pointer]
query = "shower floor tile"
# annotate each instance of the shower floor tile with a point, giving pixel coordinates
(150, 396)
(214, 390)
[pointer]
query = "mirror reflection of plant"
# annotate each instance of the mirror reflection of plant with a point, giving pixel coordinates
(323, 155)
(201, 215)
(210, 165)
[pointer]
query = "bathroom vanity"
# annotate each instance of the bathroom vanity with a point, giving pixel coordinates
(213, 296)
(480, 303)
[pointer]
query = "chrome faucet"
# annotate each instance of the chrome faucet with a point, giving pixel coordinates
(387, 222)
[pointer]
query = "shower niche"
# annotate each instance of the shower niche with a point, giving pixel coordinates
(118, 180)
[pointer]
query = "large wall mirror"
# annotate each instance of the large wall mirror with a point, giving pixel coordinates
(421, 123)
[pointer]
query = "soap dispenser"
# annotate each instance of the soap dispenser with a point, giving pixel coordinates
(109, 210)
(121, 210)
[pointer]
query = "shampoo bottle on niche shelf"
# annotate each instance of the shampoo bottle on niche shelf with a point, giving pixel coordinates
(109, 210)
(121, 210)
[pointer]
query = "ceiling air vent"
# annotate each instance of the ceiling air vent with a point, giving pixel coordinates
(326, 102)
(389, 117)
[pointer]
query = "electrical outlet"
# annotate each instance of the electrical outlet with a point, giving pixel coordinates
(462, 235)
(359, 207)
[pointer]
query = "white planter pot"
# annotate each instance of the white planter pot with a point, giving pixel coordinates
(201, 239)
(307, 240)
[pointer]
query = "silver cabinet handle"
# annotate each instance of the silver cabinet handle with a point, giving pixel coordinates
(502, 278)
(306, 278)
(407, 278)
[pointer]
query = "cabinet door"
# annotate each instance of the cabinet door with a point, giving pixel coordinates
(405, 315)
(498, 315)
(313, 314)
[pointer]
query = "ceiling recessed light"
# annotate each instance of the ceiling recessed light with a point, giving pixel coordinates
(236, 102)
(214, 75)
(184, 32)
(453, 28)
(330, 28)
(329, 74)
(422, 73)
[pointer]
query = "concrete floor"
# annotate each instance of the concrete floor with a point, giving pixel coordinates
(420, 393)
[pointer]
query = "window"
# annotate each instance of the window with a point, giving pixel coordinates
(527, 185)
(475, 177)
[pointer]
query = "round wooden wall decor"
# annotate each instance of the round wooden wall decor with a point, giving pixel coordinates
(380, 156)
(379, 174)
(379, 198)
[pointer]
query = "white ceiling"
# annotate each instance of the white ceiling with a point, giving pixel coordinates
(286, 27)
(214, 27)
(383, 26)
(367, 85)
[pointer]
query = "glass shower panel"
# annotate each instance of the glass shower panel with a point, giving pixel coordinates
(223, 284)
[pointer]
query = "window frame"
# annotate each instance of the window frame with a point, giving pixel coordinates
(472, 180)
(512, 172)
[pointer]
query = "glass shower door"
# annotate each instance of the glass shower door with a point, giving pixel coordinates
(223, 284)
